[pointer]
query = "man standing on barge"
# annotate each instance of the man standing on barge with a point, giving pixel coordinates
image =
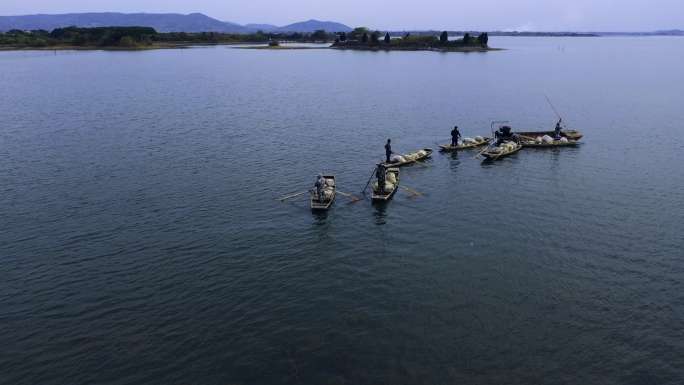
(455, 134)
(388, 149)
(320, 187)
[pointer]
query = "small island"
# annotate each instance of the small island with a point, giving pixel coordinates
(363, 39)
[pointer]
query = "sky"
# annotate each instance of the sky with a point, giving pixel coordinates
(479, 15)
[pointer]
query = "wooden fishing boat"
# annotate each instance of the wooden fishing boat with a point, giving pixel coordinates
(383, 196)
(448, 147)
(570, 134)
(555, 143)
(428, 152)
(497, 155)
(325, 203)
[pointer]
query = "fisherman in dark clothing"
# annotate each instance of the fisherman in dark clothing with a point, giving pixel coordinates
(388, 149)
(455, 134)
(558, 129)
(381, 173)
(504, 134)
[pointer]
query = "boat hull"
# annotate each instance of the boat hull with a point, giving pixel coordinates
(547, 145)
(447, 147)
(379, 196)
(428, 151)
(570, 134)
(496, 156)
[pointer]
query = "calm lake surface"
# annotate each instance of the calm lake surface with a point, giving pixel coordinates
(141, 240)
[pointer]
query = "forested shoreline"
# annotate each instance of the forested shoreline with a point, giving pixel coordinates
(140, 37)
(147, 37)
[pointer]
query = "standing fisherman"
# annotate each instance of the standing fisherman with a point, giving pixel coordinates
(381, 173)
(388, 149)
(320, 186)
(455, 134)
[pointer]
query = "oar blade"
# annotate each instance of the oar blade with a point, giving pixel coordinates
(292, 196)
(350, 196)
(409, 190)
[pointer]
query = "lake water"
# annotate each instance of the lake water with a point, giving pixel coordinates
(141, 240)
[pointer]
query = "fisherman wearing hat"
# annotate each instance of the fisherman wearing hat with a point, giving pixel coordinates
(320, 186)
(455, 134)
(558, 129)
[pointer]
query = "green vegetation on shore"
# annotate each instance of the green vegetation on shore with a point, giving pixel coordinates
(364, 36)
(74, 36)
(132, 37)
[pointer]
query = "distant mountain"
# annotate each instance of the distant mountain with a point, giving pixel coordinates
(231, 23)
(263, 27)
(162, 22)
(670, 32)
(312, 25)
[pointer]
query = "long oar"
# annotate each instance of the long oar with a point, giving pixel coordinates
(292, 196)
(369, 179)
(559, 117)
(347, 195)
(409, 190)
(485, 149)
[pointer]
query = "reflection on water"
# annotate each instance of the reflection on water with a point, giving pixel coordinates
(380, 211)
(141, 233)
(321, 215)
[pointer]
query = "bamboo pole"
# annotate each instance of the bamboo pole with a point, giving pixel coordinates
(409, 190)
(367, 183)
(347, 195)
(292, 196)
(559, 117)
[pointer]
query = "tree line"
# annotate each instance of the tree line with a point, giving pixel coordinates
(366, 36)
(146, 36)
(75, 36)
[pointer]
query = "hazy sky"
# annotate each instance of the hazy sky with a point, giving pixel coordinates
(485, 15)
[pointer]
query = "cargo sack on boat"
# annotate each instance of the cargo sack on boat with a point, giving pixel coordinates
(391, 178)
(547, 139)
(326, 194)
(398, 159)
(388, 186)
(496, 150)
(422, 153)
(479, 139)
(538, 140)
(563, 140)
(330, 182)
